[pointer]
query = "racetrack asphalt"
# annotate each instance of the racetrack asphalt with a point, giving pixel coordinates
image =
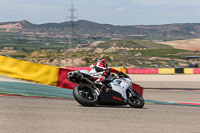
(36, 115)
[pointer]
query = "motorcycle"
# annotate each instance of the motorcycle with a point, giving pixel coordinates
(87, 93)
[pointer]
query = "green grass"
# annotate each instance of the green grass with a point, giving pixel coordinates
(159, 52)
(6, 33)
(105, 45)
(33, 46)
(152, 45)
(19, 56)
(132, 43)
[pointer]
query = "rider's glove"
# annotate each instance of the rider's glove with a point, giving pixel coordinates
(120, 74)
(106, 73)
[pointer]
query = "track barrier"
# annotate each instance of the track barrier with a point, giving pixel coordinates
(25, 70)
(77, 68)
(143, 71)
(63, 82)
(55, 76)
(44, 74)
(166, 71)
(188, 71)
(196, 70)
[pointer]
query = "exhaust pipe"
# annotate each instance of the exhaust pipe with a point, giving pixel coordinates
(77, 77)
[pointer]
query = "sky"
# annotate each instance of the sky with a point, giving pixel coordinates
(116, 12)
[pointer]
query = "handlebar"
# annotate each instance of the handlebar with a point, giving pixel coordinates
(123, 75)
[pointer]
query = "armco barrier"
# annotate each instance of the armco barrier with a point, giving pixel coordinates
(179, 70)
(143, 71)
(188, 71)
(121, 69)
(28, 71)
(196, 70)
(77, 68)
(166, 71)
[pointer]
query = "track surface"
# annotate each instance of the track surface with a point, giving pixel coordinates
(34, 115)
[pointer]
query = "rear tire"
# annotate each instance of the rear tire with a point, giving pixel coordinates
(136, 101)
(85, 95)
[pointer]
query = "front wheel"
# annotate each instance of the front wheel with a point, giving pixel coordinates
(135, 100)
(85, 95)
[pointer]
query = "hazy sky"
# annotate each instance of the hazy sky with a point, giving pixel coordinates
(117, 12)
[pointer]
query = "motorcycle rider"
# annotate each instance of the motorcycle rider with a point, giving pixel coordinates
(100, 71)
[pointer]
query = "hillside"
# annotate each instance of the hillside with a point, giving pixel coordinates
(138, 53)
(85, 29)
(129, 44)
(52, 43)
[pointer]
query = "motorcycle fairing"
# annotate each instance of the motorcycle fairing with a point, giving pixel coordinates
(111, 98)
(121, 86)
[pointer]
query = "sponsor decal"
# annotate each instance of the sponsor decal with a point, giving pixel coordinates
(117, 98)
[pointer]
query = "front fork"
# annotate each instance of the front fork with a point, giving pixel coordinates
(132, 92)
(97, 90)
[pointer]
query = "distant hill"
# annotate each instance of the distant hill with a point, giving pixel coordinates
(85, 28)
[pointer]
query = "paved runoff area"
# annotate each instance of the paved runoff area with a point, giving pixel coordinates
(47, 115)
(179, 81)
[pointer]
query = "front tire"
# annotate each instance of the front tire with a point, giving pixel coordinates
(85, 95)
(136, 101)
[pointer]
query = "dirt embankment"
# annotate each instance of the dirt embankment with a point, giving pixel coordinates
(9, 27)
(191, 44)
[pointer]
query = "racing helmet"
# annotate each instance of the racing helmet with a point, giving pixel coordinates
(102, 62)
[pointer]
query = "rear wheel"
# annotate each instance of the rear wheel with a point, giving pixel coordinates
(85, 95)
(135, 100)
